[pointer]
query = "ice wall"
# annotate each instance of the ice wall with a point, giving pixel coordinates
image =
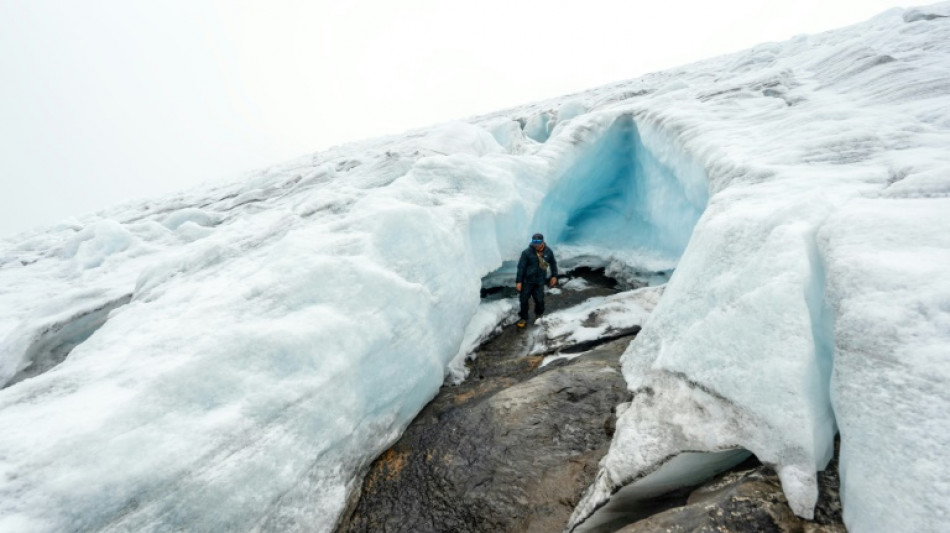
(892, 339)
(622, 200)
(730, 358)
(281, 332)
(789, 316)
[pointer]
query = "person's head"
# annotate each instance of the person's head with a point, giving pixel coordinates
(537, 240)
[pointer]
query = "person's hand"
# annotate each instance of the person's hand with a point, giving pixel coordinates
(518, 287)
(553, 281)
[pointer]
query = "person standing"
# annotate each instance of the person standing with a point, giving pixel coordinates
(532, 275)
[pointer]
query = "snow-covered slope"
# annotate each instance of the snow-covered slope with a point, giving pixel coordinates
(231, 358)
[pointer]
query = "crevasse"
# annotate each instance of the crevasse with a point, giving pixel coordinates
(284, 348)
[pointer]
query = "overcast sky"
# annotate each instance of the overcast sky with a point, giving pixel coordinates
(106, 101)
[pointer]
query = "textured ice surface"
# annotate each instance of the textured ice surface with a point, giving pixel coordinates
(892, 341)
(257, 368)
(594, 319)
(597, 317)
(622, 199)
(283, 330)
(818, 254)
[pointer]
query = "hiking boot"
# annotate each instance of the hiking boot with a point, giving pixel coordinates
(522, 323)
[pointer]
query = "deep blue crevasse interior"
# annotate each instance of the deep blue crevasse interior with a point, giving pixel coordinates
(620, 196)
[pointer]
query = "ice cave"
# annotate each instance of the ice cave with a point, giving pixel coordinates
(620, 205)
(619, 196)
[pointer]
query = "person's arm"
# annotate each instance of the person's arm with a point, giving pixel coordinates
(553, 263)
(522, 265)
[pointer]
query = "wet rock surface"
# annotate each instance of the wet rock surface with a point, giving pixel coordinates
(511, 449)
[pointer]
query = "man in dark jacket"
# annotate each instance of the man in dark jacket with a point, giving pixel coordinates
(532, 274)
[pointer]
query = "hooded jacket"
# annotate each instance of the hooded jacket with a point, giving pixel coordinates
(529, 269)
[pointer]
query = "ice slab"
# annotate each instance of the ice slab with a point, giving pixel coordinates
(683, 470)
(892, 338)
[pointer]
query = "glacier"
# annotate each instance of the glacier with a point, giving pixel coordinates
(233, 357)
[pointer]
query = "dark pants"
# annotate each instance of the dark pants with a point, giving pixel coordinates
(532, 290)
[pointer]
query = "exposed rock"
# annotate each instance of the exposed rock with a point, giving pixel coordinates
(511, 449)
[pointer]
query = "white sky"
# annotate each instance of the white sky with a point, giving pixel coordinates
(109, 100)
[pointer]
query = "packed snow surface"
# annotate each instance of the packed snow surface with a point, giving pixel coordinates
(595, 319)
(598, 317)
(233, 357)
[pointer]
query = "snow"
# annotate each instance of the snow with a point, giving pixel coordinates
(575, 284)
(202, 218)
(97, 242)
(570, 109)
(249, 348)
(258, 369)
(927, 13)
(508, 134)
(55, 329)
(596, 318)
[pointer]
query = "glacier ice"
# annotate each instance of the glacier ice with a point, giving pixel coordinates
(539, 126)
(622, 200)
(280, 333)
(283, 330)
(751, 342)
(892, 333)
(570, 109)
(59, 326)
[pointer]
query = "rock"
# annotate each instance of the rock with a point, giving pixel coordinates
(512, 449)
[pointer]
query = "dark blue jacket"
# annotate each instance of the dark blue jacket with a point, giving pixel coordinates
(529, 269)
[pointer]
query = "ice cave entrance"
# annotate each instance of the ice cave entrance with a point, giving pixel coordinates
(626, 205)
(626, 201)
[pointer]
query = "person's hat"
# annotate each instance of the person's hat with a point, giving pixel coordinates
(537, 237)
